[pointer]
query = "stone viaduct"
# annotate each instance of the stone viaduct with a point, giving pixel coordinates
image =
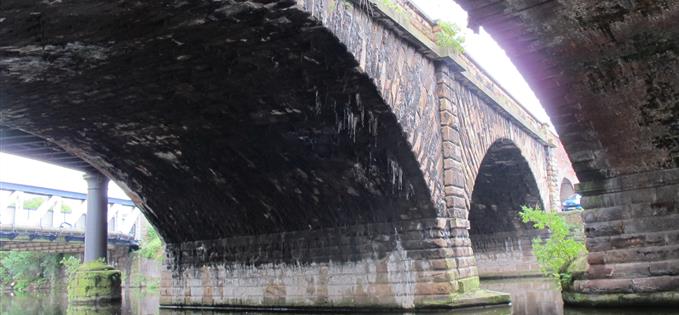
(606, 74)
(329, 153)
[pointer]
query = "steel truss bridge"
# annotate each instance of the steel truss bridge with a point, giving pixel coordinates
(50, 220)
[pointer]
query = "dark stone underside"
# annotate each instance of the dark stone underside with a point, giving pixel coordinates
(504, 183)
(223, 120)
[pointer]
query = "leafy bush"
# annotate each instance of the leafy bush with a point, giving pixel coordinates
(450, 36)
(22, 270)
(151, 245)
(556, 253)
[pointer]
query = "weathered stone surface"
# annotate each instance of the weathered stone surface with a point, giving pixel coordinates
(372, 265)
(503, 255)
(632, 239)
(94, 283)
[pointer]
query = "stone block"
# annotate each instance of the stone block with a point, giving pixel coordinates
(434, 288)
(603, 286)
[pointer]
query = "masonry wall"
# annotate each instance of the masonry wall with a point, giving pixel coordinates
(631, 234)
(482, 125)
(404, 264)
(470, 125)
(503, 255)
(401, 266)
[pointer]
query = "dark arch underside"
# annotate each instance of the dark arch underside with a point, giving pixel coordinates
(504, 183)
(237, 119)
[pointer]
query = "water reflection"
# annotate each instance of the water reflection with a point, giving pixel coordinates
(487, 311)
(48, 304)
(530, 296)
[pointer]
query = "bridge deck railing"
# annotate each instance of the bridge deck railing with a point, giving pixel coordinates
(42, 209)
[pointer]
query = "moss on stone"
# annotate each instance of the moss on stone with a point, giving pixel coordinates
(468, 284)
(94, 282)
(473, 298)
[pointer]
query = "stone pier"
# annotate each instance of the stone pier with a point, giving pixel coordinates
(631, 224)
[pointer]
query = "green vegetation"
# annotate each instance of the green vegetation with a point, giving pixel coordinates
(151, 245)
(29, 270)
(33, 203)
(71, 264)
(555, 254)
(394, 7)
(450, 36)
(94, 281)
(66, 208)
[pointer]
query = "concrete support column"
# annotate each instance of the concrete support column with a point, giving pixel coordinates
(96, 229)
(632, 228)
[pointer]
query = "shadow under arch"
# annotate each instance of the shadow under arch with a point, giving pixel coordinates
(252, 121)
(501, 242)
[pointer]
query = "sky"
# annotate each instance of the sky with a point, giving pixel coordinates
(481, 47)
(20, 170)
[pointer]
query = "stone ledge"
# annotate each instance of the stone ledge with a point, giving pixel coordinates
(472, 299)
(620, 299)
(640, 285)
(649, 179)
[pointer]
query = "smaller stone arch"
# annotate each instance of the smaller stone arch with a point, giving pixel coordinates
(566, 189)
(504, 183)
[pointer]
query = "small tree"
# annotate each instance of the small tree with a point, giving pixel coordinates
(556, 253)
(450, 36)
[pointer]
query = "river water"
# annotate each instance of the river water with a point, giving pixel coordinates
(529, 296)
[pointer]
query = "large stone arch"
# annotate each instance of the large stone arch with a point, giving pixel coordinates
(229, 110)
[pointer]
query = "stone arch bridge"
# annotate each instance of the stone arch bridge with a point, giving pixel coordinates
(291, 153)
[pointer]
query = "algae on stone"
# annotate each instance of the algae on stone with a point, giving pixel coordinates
(94, 282)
